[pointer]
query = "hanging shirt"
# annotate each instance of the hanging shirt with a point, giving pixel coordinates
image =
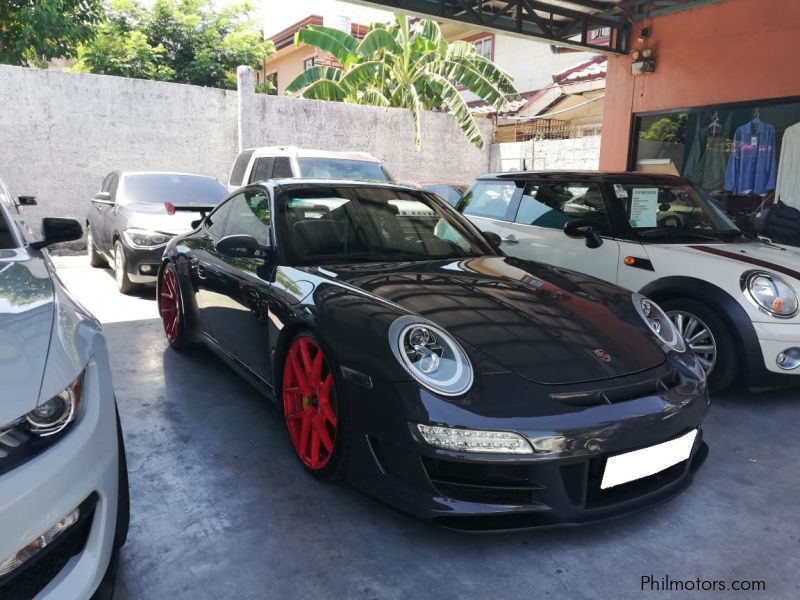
(788, 187)
(751, 166)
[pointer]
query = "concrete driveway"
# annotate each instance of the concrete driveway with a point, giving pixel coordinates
(221, 508)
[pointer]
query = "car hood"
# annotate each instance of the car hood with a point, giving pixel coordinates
(548, 325)
(26, 321)
(156, 218)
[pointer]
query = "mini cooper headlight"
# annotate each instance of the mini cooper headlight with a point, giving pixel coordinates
(659, 323)
(770, 293)
(433, 358)
(144, 238)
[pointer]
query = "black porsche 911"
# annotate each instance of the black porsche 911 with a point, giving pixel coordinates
(412, 358)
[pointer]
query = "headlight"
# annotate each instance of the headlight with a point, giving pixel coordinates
(144, 238)
(770, 293)
(35, 431)
(433, 358)
(659, 323)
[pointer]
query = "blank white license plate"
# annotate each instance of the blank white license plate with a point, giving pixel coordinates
(647, 461)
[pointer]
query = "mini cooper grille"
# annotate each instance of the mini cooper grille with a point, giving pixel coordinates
(650, 387)
(33, 577)
(482, 482)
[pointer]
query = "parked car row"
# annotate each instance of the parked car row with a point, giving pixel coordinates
(543, 358)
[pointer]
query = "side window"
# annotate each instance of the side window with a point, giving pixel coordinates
(215, 222)
(240, 166)
(249, 215)
(262, 169)
(489, 199)
(106, 182)
(113, 184)
(282, 168)
(553, 204)
(5, 197)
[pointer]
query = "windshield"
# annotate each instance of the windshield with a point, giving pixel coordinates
(177, 189)
(363, 224)
(338, 168)
(449, 193)
(672, 212)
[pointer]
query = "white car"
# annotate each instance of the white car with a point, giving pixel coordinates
(279, 162)
(733, 298)
(63, 478)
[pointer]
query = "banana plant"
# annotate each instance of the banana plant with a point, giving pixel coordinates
(408, 65)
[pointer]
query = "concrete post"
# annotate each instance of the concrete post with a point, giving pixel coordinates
(246, 88)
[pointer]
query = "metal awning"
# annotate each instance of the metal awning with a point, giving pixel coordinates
(598, 25)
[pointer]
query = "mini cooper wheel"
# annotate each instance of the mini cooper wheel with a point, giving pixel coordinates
(170, 307)
(124, 284)
(95, 258)
(314, 413)
(708, 336)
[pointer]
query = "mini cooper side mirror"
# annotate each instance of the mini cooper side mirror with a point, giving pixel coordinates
(241, 246)
(582, 228)
(493, 239)
(57, 229)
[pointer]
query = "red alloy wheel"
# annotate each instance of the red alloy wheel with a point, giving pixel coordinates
(309, 399)
(169, 303)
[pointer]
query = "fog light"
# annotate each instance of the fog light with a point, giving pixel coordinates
(473, 440)
(146, 268)
(788, 359)
(37, 544)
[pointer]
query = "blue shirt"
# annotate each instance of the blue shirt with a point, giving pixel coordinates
(751, 166)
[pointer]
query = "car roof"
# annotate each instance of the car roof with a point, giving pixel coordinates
(300, 182)
(126, 173)
(599, 176)
(310, 153)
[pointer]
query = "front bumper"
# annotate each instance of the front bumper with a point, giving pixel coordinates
(142, 264)
(481, 492)
(80, 470)
(774, 338)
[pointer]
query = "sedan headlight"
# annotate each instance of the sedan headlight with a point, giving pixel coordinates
(433, 358)
(27, 436)
(770, 293)
(144, 238)
(659, 323)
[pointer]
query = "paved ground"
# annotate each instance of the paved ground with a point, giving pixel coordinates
(221, 509)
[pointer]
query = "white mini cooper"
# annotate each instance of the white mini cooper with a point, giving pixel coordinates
(733, 298)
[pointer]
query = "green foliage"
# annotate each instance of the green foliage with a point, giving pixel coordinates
(184, 41)
(671, 128)
(409, 65)
(35, 31)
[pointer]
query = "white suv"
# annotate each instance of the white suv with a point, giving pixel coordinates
(279, 162)
(734, 299)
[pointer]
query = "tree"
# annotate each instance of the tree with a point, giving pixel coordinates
(185, 41)
(671, 128)
(35, 31)
(409, 65)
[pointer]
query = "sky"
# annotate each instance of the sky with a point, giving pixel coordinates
(279, 14)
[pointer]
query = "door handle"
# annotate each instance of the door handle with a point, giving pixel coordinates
(510, 239)
(201, 271)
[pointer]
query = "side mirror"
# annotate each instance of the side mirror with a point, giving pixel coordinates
(241, 246)
(197, 222)
(102, 198)
(27, 200)
(57, 229)
(582, 228)
(493, 239)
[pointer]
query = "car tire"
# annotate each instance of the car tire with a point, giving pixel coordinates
(124, 284)
(96, 259)
(725, 367)
(321, 409)
(171, 308)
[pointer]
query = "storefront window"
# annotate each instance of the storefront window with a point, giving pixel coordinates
(737, 154)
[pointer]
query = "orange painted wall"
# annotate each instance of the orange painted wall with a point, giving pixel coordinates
(733, 51)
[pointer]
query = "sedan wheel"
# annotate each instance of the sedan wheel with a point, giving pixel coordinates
(697, 336)
(124, 284)
(95, 258)
(170, 309)
(310, 406)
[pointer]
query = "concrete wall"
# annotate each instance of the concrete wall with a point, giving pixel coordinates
(61, 133)
(386, 133)
(569, 154)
